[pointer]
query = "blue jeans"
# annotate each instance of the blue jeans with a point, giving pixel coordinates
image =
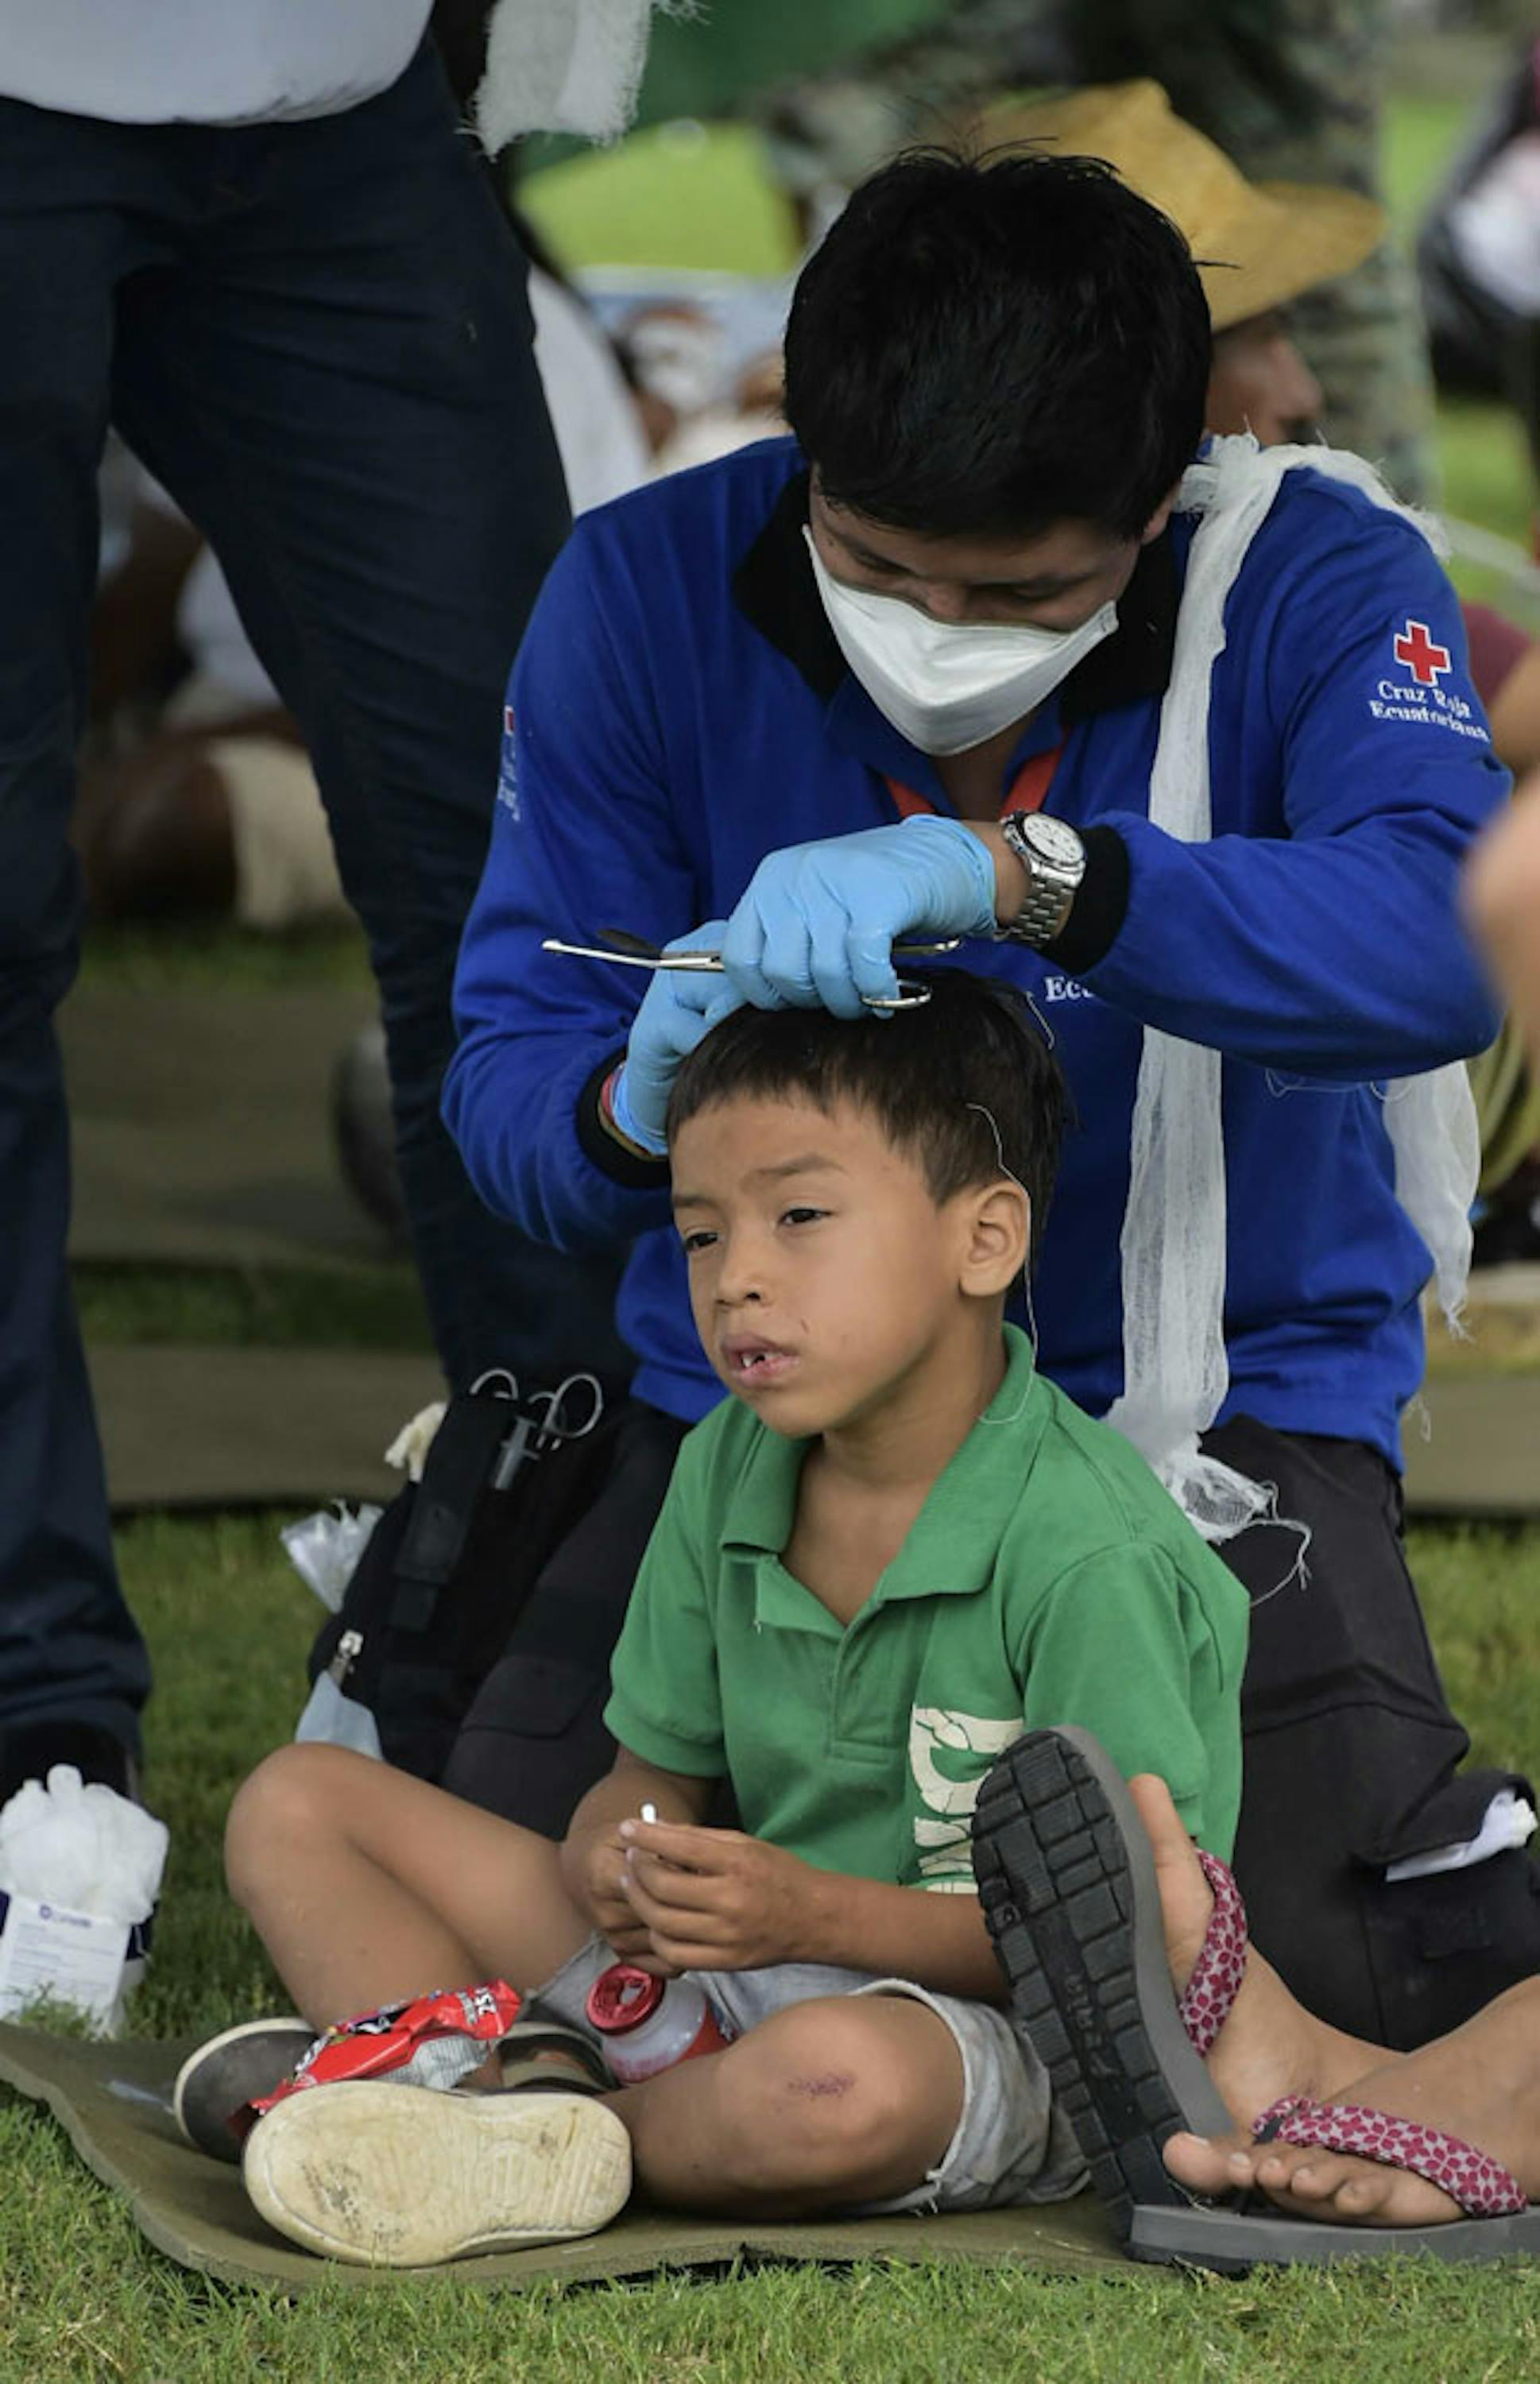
(317, 335)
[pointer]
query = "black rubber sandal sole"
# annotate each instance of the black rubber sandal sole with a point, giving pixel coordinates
(1068, 1887)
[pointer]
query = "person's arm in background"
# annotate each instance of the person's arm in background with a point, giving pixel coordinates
(584, 837)
(1514, 714)
(1501, 900)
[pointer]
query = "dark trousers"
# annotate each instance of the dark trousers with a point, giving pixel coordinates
(317, 335)
(1350, 1748)
(1351, 1761)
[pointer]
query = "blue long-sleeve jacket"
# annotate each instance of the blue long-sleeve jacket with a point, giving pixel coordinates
(678, 708)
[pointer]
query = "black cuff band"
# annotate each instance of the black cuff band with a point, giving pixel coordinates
(612, 1158)
(1099, 905)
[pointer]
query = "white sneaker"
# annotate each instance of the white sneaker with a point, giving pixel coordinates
(401, 2177)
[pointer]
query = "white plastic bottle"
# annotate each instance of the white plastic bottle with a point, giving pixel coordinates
(649, 2024)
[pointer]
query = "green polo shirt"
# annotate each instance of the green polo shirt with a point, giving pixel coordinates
(1048, 1578)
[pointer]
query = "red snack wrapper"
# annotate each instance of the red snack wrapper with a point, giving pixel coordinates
(379, 2041)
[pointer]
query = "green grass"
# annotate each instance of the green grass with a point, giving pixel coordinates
(360, 1307)
(149, 959)
(86, 2300)
(677, 194)
(82, 2295)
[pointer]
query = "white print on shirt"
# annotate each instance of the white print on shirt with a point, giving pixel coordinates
(507, 774)
(1428, 706)
(1066, 989)
(1421, 699)
(946, 1862)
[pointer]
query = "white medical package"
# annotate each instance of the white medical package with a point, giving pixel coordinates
(80, 1871)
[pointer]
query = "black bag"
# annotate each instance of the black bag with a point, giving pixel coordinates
(449, 1567)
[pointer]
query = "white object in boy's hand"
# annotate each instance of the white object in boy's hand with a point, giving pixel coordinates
(79, 1866)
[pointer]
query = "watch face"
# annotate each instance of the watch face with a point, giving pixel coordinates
(1053, 839)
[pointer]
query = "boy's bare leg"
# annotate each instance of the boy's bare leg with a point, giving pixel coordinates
(368, 1886)
(846, 2099)
(1481, 2083)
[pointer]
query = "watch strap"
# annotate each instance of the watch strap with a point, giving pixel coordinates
(1051, 888)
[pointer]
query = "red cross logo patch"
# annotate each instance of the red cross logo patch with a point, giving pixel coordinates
(1426, 660)
(508, 717)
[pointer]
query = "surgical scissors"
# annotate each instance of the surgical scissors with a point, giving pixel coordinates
(633, 951)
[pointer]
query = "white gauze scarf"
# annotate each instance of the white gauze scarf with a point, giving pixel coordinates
(564, 66)
(1176, 1368)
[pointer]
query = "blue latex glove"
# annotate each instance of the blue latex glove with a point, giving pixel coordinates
(678, 1010)
(819, 922)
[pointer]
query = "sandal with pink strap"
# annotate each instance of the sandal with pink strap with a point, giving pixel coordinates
(1068, 1886)
(1499, 2223)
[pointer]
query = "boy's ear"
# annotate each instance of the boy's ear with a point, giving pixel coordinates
(999, 1237)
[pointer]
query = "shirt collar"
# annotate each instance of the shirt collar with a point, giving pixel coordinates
(955, 1538)
(774, 587)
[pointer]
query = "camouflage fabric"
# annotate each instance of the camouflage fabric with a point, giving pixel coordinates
(1290, 88)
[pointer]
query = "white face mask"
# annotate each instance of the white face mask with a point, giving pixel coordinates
(947, 684)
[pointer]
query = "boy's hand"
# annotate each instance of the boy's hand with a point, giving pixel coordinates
(597, 1878)
(716, 1900)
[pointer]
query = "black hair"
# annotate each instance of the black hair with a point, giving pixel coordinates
(965, 1083)
(997, 344)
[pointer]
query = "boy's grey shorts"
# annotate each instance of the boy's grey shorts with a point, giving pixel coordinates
(1009, 2146)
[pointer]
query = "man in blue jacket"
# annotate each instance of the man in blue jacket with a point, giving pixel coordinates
(981, 654)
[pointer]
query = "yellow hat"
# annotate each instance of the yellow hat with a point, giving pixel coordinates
(1256, 244)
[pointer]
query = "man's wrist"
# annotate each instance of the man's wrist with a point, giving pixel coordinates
(1089, 926)
(637, 1170)
(1010, 872)
(616, 1117)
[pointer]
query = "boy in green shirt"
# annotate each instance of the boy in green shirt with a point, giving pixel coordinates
(893, 1549)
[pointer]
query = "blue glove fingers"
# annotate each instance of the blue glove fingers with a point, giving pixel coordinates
(789, 963)
(744, 951)
(852, 907)
(678, 1008)
(724, 1001)
(706, 937)
(836, 988)
(953, 881)
(869, 966)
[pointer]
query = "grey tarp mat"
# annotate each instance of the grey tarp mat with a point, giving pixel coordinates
(201, 1124)
(212, 1426)
(112, 2099)
(220, 1426)
(1482, 1455)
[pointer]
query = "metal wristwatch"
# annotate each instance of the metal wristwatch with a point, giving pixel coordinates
(1054, 860)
